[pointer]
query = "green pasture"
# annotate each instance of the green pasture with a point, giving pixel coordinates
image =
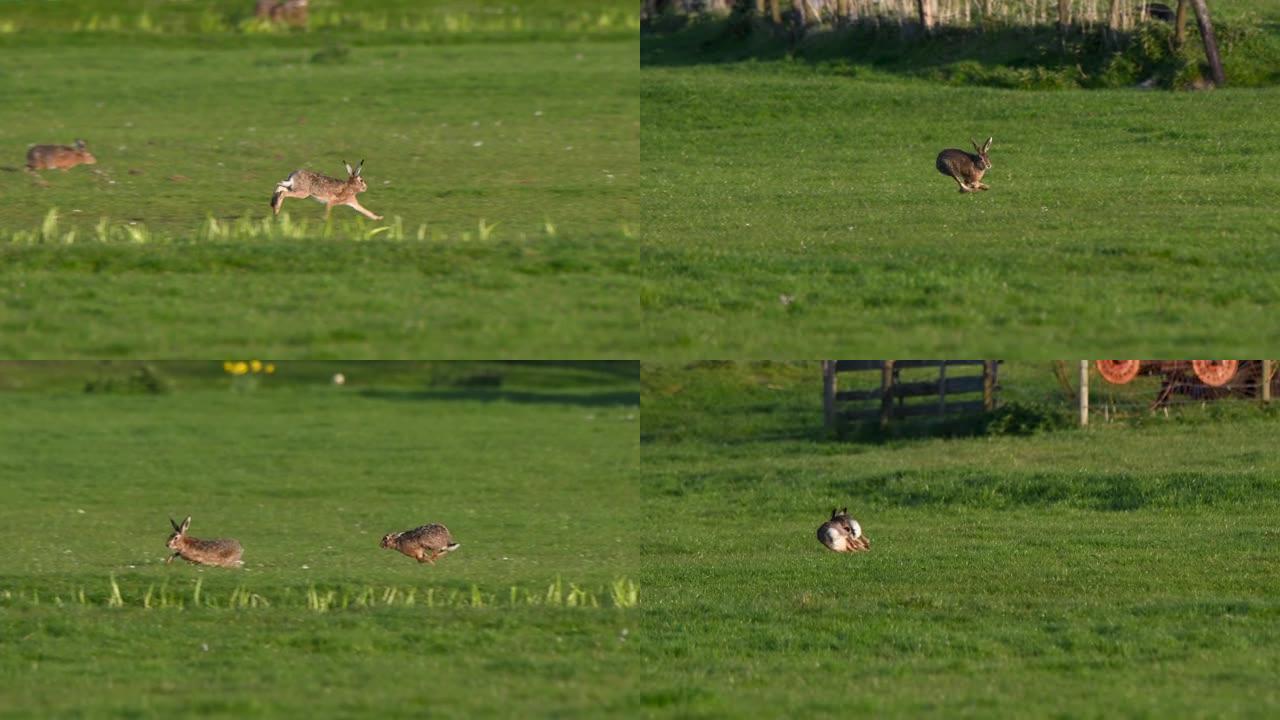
(511, 152)
(795, 210)
(531, 467)
(1122, 571)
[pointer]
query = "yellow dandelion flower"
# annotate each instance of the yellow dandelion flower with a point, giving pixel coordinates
(271, 369)
(241, 367)
(256, 365)
(228, 366)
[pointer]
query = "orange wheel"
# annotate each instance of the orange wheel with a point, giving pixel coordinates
(1118, 372)
(1215, 372)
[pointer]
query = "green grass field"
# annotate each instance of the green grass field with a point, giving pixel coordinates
(500, 141)
(1122, 571)
(796, 206)
(531, 467)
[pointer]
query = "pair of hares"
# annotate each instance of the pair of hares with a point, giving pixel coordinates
(842, 533)
(325, 189)
(965, 168)
(424, 544)
(59, 157)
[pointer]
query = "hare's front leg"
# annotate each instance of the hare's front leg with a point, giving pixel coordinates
(169, 559)
(355, 205)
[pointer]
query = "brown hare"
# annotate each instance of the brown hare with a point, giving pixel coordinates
(965, 168)
(60, 157)
(842, 533)
(225, 552)
(424, 544)
(322, 188)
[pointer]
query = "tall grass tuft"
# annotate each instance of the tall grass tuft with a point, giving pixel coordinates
(115, 600)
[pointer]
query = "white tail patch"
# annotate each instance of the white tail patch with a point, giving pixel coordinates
(451, 547)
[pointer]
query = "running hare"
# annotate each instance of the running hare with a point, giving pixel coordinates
(225, 552)
(966, 168)
(842, 533)
(322, 188)
(423, 544)
(59, 157)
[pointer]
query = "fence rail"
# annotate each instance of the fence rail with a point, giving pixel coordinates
(842, 405)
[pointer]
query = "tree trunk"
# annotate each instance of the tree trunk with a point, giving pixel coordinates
(776, 11)
(1113, 17)
(1180, 26)
(1064, 15)
(926, 14)
(1210, 43)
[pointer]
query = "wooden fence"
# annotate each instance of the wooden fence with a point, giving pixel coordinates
(889, 400)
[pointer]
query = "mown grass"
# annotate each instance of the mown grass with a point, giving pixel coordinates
(473, 145)
(536, 482)
(318, 299)
(792, 212)
(1120, 570)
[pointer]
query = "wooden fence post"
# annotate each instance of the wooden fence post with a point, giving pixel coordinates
(1210, 43)
(1084, 393)
(988, 385)
(886, 392)
(1268, 369)
(829, 394)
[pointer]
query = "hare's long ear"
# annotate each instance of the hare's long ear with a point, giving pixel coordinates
(844, 511)
(986, 146)
(347, 165)
(79, 143)
(185, 524)
(175, 525)
(975, 145)
(834, 513)
(359, 168)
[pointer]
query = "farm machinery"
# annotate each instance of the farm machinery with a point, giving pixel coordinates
(1196, 379)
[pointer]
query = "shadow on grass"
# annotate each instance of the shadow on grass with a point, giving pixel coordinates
(583, 399)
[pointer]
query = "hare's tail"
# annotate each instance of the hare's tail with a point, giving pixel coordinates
(451, 547)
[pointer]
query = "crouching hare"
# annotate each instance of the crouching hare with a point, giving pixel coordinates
(842, 533)
(59, 157)
(322, 188)
(225, 552)
(965, 168)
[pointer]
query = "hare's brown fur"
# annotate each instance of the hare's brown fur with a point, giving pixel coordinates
(330, 191)
(224, 552)
(424, 544)
(841, 533)
(59, 157)
(966, 168)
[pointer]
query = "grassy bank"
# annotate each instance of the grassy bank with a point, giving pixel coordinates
(529, 476)
(482, 150)
(789, 209)
(1069, 572)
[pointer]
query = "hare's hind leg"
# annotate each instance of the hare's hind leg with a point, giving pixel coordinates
(963, 188)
